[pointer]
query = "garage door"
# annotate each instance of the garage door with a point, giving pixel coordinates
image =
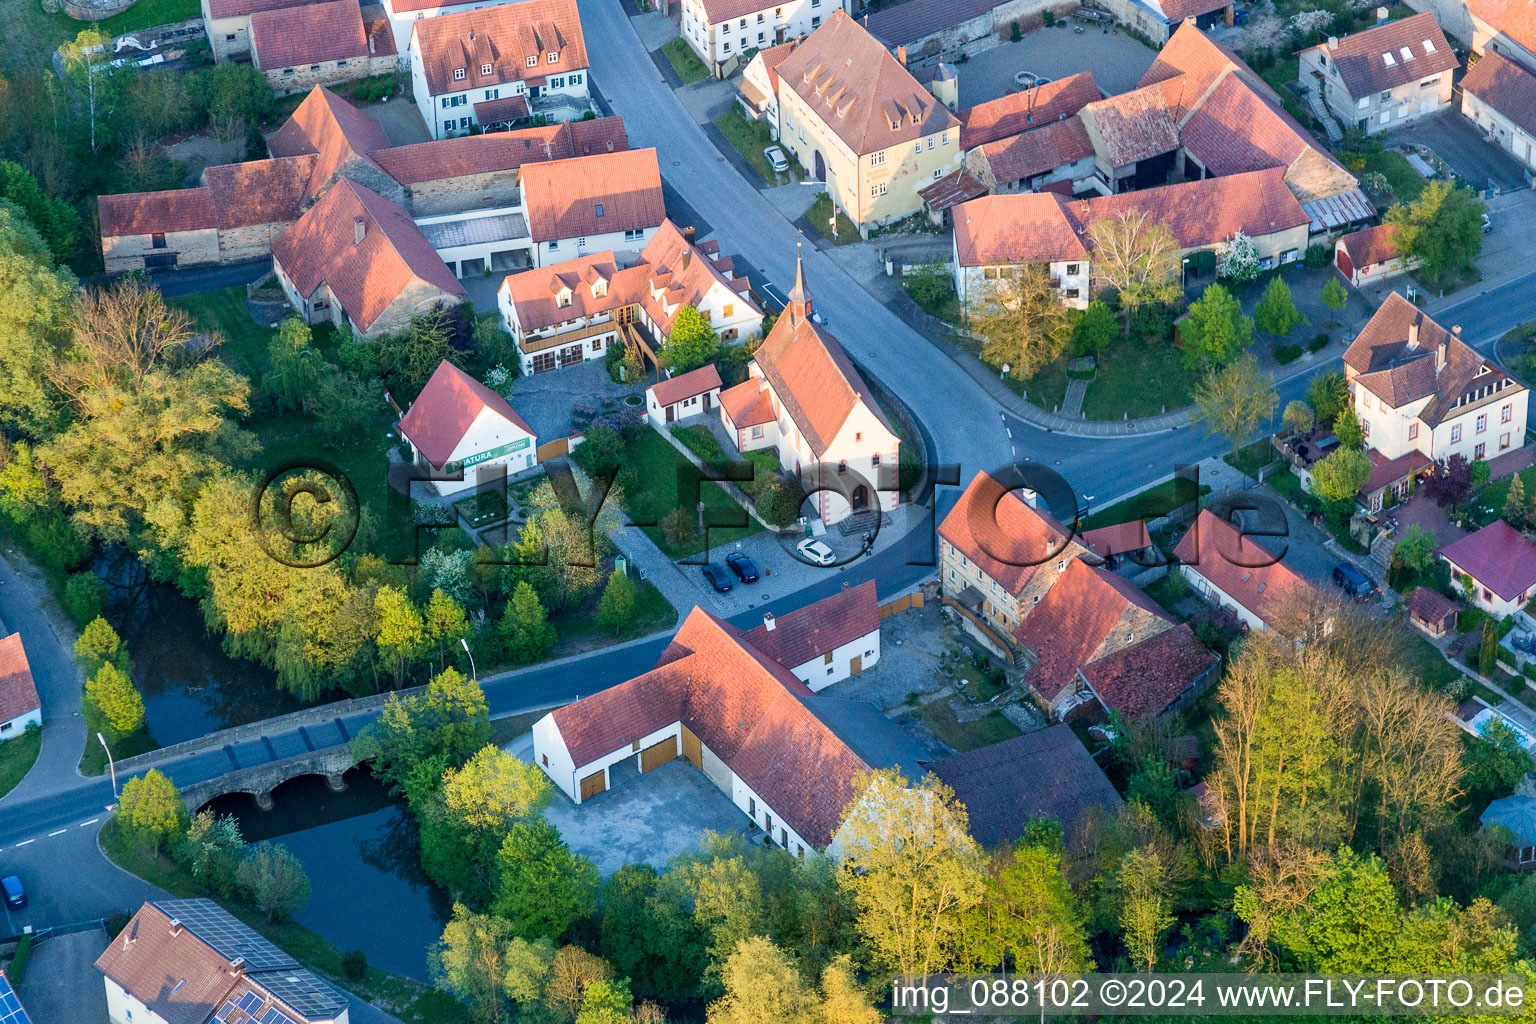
(658, 754)
(592, 785)
(691, 749)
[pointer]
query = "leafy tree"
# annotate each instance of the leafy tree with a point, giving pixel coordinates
(1497, 763)
(544, 889)
(470, 963)
(115, 700)
(150, 810)
(1328, 394)
(494, 790)
(691, 343)
(1298, 416)
(98, 644)
(408, 359)
(617, 606)
(528, 968)
(930, 284)
(843, 1001)
(213, 850)
(1347, 428)
(1488, 649)
(35, 299)
(1450, 482)
(1351, 921)
(1136, 257)
(606, 1001)
(1416, 551)
(1339, 477)
(416, 739)
(54, 219)
(1481, 472)
(1022, 321)
(1239, 261)
(912, 868)
(401, 632)
(526, 633)
(1156, 785)
(1146, 905)
(762, 983)
(232, 97)
(85, 64)
(571, 974)
(1514, 502)
(601, 452)
(1235, 399)
(297, 367)
(84, 596)
(444, 625)
(1442, 230)
(1094, 331)
(1215, 331)
(1334, 295)
(1029, 916)
(274, 880)
(1276, 315)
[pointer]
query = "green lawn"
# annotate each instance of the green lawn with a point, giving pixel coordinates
(150, 13)
(687, 63)
(820, 214)
(962, 736)
(1148, 504)
(411, 1001)
(16, 757)
(750, 139)
(943, 305)
(1045, 389)
(1253, 458)
(245, 341)
(657, 464)
(94, 760)
(1405, 181)
(653, 613)
(1139, 378)
(1493, 494)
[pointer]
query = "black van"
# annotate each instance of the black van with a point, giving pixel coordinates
(1352, 581)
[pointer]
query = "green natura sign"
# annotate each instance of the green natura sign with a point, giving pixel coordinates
(486, 456)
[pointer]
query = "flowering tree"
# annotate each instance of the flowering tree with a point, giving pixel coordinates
(1239, 262)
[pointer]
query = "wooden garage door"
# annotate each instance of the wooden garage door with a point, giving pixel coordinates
(592, 785)
(691, 749)
(658, 754)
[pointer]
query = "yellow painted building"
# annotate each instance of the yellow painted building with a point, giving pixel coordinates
(857, 119)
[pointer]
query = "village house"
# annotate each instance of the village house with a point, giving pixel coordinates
(1505, 27)
(1031, 138)
(1417, 387)
(758, 90)
(1135, 138)
(193, 962)
(298, 48)
(404, 14)
(459, 427)
(355, 259)
(995, 235)
(724, 32)
(858, 121)
(228, 24)
(695, 393)
(804, 397)
(1384, 77)
(1499, 96)
(467, 65)
(1369, 255)
(1231, 571)
(1095, 644)
(999, 555)
(740, 706)
(1495, 568)
(600, 202)
(19, 703)
(572, 311)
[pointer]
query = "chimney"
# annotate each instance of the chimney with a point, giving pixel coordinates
(688, 234)
(901, 55)
(1413, 334)
(610, 145)
(359, 230)
(237, 967)
(175, 926)
(1029, 496)
(1381, 15)
(845, 584)
(1440, 355)
(1333, 42)
(768, 623)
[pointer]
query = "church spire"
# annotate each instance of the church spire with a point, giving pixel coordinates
(799, 306)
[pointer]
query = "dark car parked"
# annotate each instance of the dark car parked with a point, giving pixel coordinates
(1352, 581)
(15, 895)
(742, 566)
(717, 577)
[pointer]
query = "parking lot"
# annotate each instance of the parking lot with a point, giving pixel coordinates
(1116, 60)
(1461, 144)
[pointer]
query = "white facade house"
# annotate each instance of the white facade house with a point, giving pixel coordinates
(724, 32)
(683, 397)
(1385, 77)
(1228, 569)
(1499, 96)
(825, 667)
(403, 15)
(1494, 568)
(459, 427)
(19, 703)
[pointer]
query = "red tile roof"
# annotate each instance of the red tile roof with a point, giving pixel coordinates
(310, 34)
(144, 213)
(260, 191)
(1498, 557)
(686, 385)
(501, 151)
(744, 706)
(1020, 227)
(1505, 86)
(1238, 566)
(1039, 150)
(1513, 18)
(818, 629)
(368, 276)
(683, 274)
(1385, 471)
(562, 197)
(1118, 539)
(447, 407)
(1133, 126)
(1431, 606)
(502, 111)
(1362, 59)
(1370, 246)
(179, 978)
(535, 294)
(748, 404)
(503, 38)
(956, 187)
(333, 130)
(241, 8)
(1146, 677)
(1176, 11)
(1007, 539)
(1021, 111)
(18, 694)
(851, 81)
(813, 380)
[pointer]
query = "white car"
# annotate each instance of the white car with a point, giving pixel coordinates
(815, 552)
(776, 159)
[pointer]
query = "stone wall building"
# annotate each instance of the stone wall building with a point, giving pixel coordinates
(298, 48)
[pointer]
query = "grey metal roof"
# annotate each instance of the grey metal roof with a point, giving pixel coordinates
(506, 227)
(879, 742)
(1516, 813)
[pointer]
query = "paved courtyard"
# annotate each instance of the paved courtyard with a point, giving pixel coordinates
(1462, 144)
(545, 400)
(1116, 60)
(401, 120)
(642, 819)
(62, 983)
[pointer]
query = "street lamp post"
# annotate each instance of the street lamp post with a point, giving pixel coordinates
(110, 764)
(472, 673)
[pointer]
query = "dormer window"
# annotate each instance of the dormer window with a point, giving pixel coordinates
(533, 61)
(552, 56)
(485, 69)
(458, 74)
(563, 297)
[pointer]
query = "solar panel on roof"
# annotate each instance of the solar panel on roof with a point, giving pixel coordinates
(250, 1002)
(11, 1010)
(227, 934)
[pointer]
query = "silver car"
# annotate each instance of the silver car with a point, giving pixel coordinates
(776, 159)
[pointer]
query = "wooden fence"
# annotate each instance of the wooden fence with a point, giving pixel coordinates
(902, 603)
